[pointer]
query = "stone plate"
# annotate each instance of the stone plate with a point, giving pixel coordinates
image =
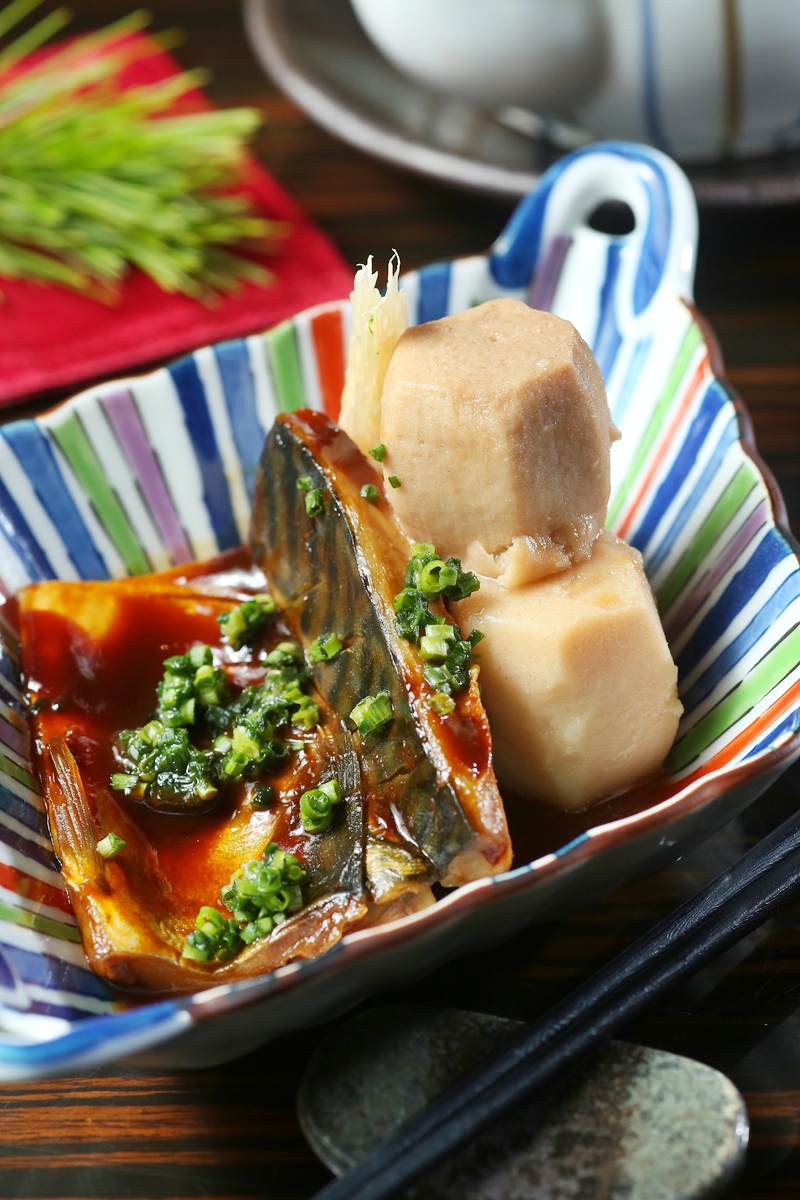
(636, 1124)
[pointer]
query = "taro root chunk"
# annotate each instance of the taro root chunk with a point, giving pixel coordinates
(576, 677)
(497, 425)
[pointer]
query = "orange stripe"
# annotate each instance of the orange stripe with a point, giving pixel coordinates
(749, 735)
(326, 330)
(665, 443)
(33, 889)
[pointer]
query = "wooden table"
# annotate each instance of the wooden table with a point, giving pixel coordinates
(120, 1132)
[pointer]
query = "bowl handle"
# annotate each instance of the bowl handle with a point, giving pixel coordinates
(609, 285)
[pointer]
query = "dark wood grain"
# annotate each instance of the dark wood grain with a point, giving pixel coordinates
(124, 1133)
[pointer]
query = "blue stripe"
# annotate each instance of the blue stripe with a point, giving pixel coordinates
(22, 811)
(434, 292)
(657, 234)
(608, 338)
(518, 248)
(7, 696)
(652, 111)
(36, 457)
(28, 849)
(238, 384)
(717, 621)
(714, 398)
(694, 502)
(45, 970)
(17, 997)
(91, 1035)
(627, 388)
(67, 1012)
(22, 539)
(8, 979)
(516, 251)
(200, 427)
(787, 726)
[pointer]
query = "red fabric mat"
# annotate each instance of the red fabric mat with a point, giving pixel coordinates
(51, 338)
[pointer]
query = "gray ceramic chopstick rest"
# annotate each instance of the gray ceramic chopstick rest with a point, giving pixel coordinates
(637, 1124)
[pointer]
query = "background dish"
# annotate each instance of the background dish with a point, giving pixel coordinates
(316, 52)
(143, 473)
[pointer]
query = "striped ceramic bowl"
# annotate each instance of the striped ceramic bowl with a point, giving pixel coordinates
(145, 473)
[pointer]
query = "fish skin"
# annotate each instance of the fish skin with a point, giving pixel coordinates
(445, 810)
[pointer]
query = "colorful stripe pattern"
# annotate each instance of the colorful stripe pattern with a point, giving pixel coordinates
(139, 476)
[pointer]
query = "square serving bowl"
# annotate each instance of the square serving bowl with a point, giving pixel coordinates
(146, 473)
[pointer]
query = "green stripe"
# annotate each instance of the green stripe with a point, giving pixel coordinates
(21, 916)
(285, 361)
(73, 441)
(774, 667)
(17, 772)
(691, 341)
(713, 526)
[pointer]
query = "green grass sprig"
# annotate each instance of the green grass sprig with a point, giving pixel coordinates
(95, 179)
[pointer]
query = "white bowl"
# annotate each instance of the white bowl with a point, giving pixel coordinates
(699, 80)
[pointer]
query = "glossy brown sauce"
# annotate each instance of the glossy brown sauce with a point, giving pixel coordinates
(87, 688)
(466, 740)
(538, 828)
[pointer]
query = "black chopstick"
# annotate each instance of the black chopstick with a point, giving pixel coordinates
(728, 908)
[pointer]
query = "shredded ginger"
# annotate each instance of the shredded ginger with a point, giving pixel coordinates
(378, 322)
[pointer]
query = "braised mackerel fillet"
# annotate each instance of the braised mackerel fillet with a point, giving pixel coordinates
(234, 783)
(165, 781)
(432, 809)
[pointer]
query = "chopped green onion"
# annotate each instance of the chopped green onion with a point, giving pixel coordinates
(378, 452)
(446, 654)
(304, 483)
(433, 648)
(428, 579)
(170, 773)
(314, 502)
(324, 647)
(394, 481)
(411, 612)
(261, 895)
(372, 713)
(441, 703)
(190, 681)
(129, 784)
(441, 629)
(284, 654)
(370, 492)
(434, 577)
(316, 806)
(241, 626)
(263, 797)
(160, 765)
(110, 845)
(451, 674)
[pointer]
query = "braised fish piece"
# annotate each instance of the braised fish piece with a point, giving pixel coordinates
(335, 557)
(147, 702)
(93, 655)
